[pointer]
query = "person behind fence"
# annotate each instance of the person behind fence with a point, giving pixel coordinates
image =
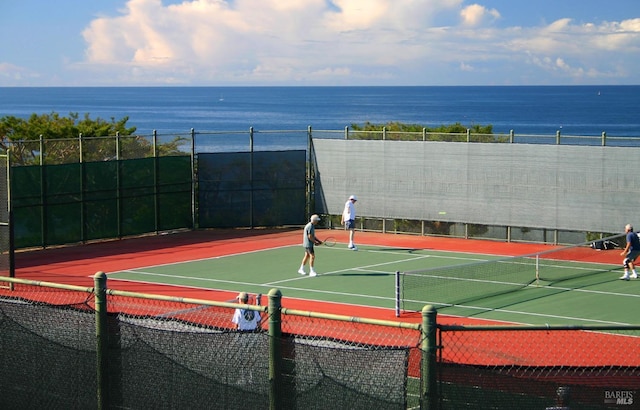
(246, 320)
(308, 240)
(349, 219)
(631, 253)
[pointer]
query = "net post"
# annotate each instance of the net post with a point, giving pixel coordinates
(100, 291)
(428, 376)
(397, 293)
(537, 270)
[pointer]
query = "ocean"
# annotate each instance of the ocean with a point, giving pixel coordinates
(530, 110)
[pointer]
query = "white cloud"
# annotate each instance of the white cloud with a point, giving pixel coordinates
(13, 72)
(465, 67)
(476, 14)
(346, 41)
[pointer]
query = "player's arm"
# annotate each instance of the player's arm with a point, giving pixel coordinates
(313, 239)
(626, 250)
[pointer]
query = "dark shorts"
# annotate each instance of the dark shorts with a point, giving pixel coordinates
(350, 224)
(631, 257)
(309, 249)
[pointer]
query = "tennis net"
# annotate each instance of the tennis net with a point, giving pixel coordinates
(457, 285)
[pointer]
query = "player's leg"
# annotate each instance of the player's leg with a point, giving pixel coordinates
(312, 260)
(625, 264)
(351, 226)
(632, 266)
(304, 261)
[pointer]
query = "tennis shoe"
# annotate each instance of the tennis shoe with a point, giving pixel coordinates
(302, 272)
(634, 276)
(312, 273)
(624, 277)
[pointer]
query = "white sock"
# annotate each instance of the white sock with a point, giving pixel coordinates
(301, 267)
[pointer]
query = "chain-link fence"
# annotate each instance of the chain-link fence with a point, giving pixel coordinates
(496, 367)
(74, 347)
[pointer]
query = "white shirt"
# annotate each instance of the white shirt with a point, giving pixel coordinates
(246, 319)
(349, 212)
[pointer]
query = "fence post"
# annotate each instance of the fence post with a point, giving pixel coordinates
(100, 291)
(194, 177)
(275, 355)
(428, 381)
(251, 204)
(310, 177)
(398, 295)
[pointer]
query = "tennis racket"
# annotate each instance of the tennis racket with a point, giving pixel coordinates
(330, 241)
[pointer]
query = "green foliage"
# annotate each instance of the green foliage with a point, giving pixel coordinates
(416, 132)
(61, 135)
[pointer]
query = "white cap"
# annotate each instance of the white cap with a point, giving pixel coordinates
(315, 218)
(353, 197)
(243, 297)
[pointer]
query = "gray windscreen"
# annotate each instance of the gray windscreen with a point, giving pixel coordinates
(540, 186)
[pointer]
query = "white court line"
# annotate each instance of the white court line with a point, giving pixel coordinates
(383, 298)
(365, 268)
(517, 312)
(351, 269)
(203, 259)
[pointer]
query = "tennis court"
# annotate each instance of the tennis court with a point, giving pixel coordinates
(219, 264)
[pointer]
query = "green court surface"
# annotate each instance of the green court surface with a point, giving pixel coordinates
(566, 292)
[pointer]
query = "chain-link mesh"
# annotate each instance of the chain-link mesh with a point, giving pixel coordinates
(251, 189)
(47, 338)
(166, 352)
(350, 364)
(6, 238)
(70, 203)
(537, 369)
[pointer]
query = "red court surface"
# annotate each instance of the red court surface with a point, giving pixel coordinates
(77, 264)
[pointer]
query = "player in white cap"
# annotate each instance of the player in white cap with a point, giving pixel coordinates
(308, 241)
(349, 219)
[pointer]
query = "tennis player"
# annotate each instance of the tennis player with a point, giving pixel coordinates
(308, 241)
(245, 320)
(631, 253)
(349, 219)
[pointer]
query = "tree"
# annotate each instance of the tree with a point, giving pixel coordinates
(414, 132)
(61, 137)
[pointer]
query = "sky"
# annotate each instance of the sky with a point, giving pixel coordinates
(319, 42)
